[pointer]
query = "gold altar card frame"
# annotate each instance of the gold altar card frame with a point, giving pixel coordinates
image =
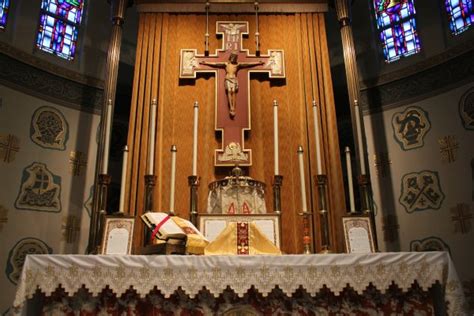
(118, 235)
(358, 235)
(211, 225)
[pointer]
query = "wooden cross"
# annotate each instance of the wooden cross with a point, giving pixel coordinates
(77, 161)
(232, 99)
(9, 147)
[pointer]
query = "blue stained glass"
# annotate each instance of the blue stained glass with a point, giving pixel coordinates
(460, 14)
(397, 27)
(56, 37)
(4, 5)
(58, 29)
(69, 10)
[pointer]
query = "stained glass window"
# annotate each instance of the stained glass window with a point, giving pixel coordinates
(460, 14)
(397, 28)
(4, 4)
(58, 27)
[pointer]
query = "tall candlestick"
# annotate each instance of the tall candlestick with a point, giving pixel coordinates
(195, 137)
(124, 179)
(316, 137)
(304, 208)
(173, 177)
(349, 179)
(108, 122)
(359, 137)
(151, 140)
(275, 137)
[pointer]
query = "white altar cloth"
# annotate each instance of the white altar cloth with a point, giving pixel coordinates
(216, 273)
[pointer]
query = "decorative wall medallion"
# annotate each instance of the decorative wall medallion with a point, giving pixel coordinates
(40, 189)
(390, 228)
(466, 109)
(77, 160)
(49, 129)
(448, 147)
(461, 217)
(232, 152)
(17, 255)
(9, 146)
(421, 191)
(71, 227)
(410, 127)
(382, 163)
(88, 202)
(3, 216)
(429, 244)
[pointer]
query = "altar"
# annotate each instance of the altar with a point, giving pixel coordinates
(379, 283)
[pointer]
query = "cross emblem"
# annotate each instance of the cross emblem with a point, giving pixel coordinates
(390, 228)
(448, 147)
(3, 216)
(9, 145)
(462, 217)
(71, 228)
(76, 162)
(232, 65)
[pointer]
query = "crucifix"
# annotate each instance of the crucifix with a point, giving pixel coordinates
(232, 65)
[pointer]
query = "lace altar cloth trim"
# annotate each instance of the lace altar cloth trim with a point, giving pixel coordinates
(215, 273)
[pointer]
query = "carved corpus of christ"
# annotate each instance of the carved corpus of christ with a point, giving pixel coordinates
(231, 82)
(232, 66)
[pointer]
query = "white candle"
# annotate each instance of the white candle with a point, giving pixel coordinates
(349, 180)
(302, 180)
(173, 177)
(108, 123)
(124, 179)
(275, 137)
(195, 137)
(359, 137)
(316, 137)
(151, 140)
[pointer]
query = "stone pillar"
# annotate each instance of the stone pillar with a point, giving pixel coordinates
(343, 10)
(118, 8)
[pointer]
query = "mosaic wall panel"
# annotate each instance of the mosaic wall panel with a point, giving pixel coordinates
(421, 191)
(410, 127)
(49, 128)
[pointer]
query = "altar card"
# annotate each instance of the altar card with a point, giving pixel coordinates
(358, 235)
(118, 235)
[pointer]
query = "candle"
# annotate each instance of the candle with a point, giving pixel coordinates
(275, 137)
(349, 179)
(108, 122)
(195, 137)
(151, 140)
(359, 137)
(316, 137)
(124, 179)
(173, 176)
(302, 180)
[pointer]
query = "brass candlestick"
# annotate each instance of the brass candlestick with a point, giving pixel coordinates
(367, 206)
(321, 182)
(150, 181)
(193, 182)
(104, 183)
(277, 182)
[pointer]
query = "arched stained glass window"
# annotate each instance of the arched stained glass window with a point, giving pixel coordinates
(460, 14)
(4, 4)
(397, 28)
(58, 27)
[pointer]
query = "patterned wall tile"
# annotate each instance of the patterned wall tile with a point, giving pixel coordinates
(40, 189)
(410, 127)
(461, 216)
(421, 191)
(9, 146)
(49, 128)
(17, 255)
(466, 109)
(431, 243)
